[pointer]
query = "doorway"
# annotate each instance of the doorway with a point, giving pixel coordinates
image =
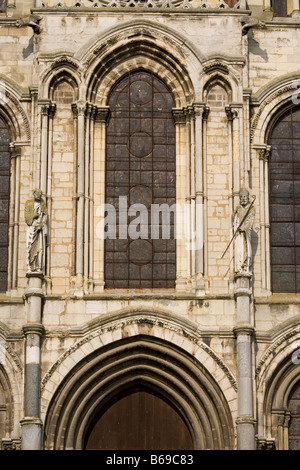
(139, 419)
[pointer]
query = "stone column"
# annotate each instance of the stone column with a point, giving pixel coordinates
(80, 109)
(32, 426)
(296, 8)
(101, 118)
(182, 273)
(199, 251)
(267, 5)
(244, 331)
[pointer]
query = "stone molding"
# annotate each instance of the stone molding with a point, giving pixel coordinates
(139, 321)
(145, 5)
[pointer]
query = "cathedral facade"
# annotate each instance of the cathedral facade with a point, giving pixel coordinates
(149, 238)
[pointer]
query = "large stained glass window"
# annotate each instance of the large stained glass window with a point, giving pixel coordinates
(285, 202)
(140, 180)
(4, 202)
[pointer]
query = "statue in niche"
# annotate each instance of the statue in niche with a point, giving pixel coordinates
(243, 220)
(36, 219)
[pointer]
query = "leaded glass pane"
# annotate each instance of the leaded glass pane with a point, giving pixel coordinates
(285, 202)
(140, 169)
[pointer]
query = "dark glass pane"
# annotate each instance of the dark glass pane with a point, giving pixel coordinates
(294, 409)
(285, 202)
(4, 201)
(279, 7)
(3, 4)
(282, 234)
(140, 165)
(283, 279)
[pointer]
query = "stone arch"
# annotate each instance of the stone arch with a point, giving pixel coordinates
(269, 102)
(13, 112)
(62, 68)
(277, 372)
(142, 46)
(145, 349)
(11, 380)
(217, 79)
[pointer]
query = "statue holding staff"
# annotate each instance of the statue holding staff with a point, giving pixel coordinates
(243, 220)
(36, 219)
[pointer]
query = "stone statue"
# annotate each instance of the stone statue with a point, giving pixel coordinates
(243, 220)
(36, 219)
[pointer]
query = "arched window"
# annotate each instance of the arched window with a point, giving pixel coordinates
(294, 425)
(279, 7)
(4, 202)
(284, 168)
(140, 178)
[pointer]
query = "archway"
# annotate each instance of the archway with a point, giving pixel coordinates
(138, 419)
(175, 380)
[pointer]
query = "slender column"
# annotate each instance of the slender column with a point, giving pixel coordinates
(52, 110)
(244, 331)
(45, 107)
(80, 109)
(98, 187)
(179, 116)
(31, 423)
(87, 196)
(188, 199)
(199, 252)
(267, 5)
(231, 116)
(91, 199)
(296, 8)
(204, 152)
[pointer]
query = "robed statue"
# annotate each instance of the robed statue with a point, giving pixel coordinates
(243, 220)
(36, 219)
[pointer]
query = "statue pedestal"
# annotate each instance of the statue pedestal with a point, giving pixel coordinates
(32, 428)
(244, 331)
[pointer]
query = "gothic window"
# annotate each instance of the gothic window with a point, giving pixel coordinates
(4, 202)
(3, 4)
(140, 178)
(294, 425)
(279, 7)
(284, 168)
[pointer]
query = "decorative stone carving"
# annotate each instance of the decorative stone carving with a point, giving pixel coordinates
(32, 21)
(36, 219)
(243, 220)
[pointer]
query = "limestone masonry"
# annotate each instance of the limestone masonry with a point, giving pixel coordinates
(176, 101)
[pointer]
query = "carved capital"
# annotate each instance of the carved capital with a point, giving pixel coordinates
(102, 114)
(264, 154)
(33, 329)
(179, 115)
(231, 113)
(79, 108)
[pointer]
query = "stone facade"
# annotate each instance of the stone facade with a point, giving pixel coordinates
(230, 342)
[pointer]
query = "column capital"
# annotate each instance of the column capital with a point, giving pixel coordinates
(179, 115)
(45, 105)
(244, 329)
(33, 328)
(79, 108)
(231, 113)
(102, 114)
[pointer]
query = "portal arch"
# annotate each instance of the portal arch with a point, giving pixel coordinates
(136, 352)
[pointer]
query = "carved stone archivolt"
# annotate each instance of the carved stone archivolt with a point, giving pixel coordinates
(123, 324)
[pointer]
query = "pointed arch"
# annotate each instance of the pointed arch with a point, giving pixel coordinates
(277, 372)
(141, 349)
(144, 46)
